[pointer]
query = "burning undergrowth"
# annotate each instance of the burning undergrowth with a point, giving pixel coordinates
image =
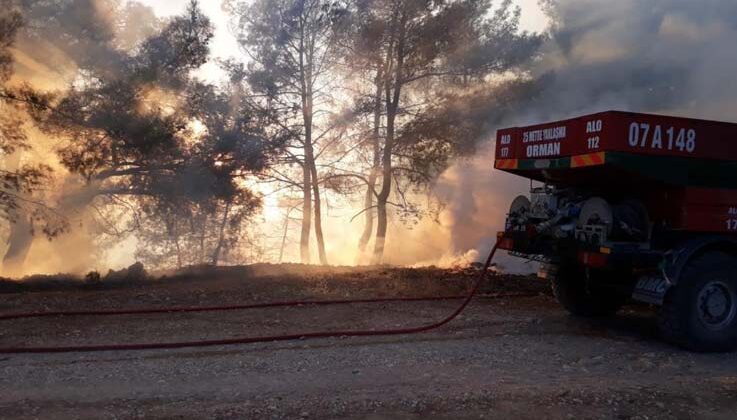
(135, 274)
(270, 281)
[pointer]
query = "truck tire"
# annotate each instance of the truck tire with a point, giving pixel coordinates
(700, 312)
(572, 291)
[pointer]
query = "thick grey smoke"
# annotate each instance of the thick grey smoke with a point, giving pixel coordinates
(663, 56)
(674, 56)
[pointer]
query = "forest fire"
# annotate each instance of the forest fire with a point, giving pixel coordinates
(126, 141)
(290, 208)
(151, 163)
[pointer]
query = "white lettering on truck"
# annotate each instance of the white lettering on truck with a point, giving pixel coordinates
(505, 141)
(543, 150)
(544, 135)
(593, 127)
(656, 137)
(547, 134)
(732, 219)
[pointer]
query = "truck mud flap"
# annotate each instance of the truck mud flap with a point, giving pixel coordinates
(651, 289)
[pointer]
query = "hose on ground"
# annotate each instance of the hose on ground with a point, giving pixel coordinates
(248, 340)
(189, 309)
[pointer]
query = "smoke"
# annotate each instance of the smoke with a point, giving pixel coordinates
(60, 39)
(670, 56)
(663, 56)
(660, 56)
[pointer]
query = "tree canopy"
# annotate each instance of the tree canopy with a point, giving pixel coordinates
(359, 102)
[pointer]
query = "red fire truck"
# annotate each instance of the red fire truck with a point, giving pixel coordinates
(631, 206)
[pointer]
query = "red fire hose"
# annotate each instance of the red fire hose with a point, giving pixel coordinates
(246, 340)
(186, 309)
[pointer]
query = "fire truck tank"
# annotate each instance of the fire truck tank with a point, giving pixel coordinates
(684, 170)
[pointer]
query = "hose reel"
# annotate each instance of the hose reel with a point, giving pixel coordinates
(599, 221)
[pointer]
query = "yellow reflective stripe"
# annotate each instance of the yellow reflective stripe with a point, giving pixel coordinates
(591, 159)
(507, 164)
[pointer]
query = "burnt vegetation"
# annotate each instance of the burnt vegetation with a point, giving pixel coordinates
(366, 100)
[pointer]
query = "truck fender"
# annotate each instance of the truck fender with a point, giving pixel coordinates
(676, 259)
(652, 288)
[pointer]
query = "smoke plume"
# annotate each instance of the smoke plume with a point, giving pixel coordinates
(661, 56)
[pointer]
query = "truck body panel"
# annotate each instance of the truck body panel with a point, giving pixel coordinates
(684, 169)
(616, 131)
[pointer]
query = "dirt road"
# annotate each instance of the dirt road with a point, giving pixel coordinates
(512, 358)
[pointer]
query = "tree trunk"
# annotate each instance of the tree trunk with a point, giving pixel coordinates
(19, 243)
(175, 237)
(21, 231)
(393, 91)
(383, 196)
(381, 225)
(307, 57)
(386, 185)
(284, 235)
(318, 216)
(368, 201)
(221, 236)
(304, 242)
(179, 253)
(202, 241)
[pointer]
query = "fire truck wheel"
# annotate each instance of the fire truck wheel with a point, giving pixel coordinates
(700, 312)
(574, 293)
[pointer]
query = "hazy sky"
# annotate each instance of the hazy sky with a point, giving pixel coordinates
(224, 45)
